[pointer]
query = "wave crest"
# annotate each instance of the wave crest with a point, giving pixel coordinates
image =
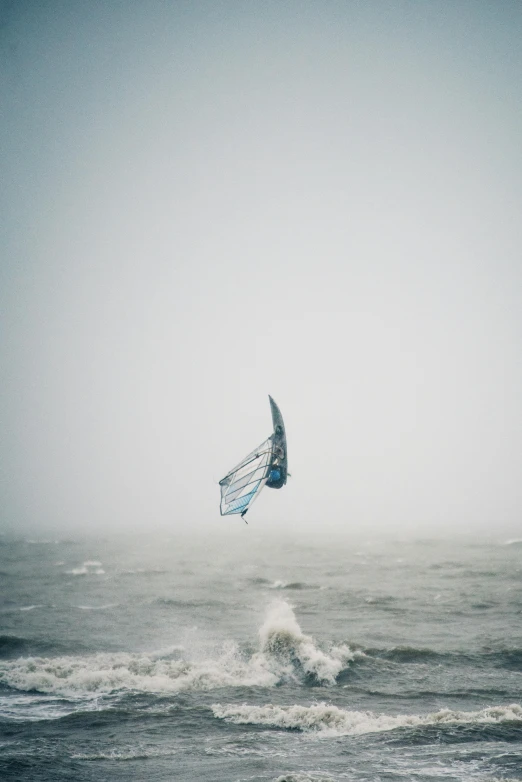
(284, 653)
(333, 721)
(283, 641)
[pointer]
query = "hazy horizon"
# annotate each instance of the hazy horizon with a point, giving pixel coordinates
(204, 204)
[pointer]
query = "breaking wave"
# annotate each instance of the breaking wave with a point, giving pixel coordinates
(283, 640)
(284, 653)
(104, 674)
(25, 707)
(332, 721)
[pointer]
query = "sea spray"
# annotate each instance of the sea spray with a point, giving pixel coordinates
(283, 643)
(139, 679)
(285, 653)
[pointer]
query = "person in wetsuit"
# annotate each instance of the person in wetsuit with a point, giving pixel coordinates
(277, 474)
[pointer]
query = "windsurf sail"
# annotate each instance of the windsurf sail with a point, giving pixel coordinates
(267, 465)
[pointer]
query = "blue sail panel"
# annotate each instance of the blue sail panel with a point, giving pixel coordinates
(242, 485)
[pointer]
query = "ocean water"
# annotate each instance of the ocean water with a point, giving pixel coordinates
(244, 656)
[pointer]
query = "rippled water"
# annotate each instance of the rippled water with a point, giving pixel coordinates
(243, 656)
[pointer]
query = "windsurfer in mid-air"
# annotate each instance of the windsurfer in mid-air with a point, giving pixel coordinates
(266, 466)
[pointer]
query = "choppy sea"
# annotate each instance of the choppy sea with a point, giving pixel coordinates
(243, 656)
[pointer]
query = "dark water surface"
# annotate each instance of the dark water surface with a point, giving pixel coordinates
(243, 656)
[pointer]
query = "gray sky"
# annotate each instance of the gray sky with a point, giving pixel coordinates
(207, 202)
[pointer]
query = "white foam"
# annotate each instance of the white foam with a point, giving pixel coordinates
(26, 707)
(332, 721)
(278, 585)
(283, 641)
(108, 673)
(285, 652)
(98, 608)
(90, 566)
